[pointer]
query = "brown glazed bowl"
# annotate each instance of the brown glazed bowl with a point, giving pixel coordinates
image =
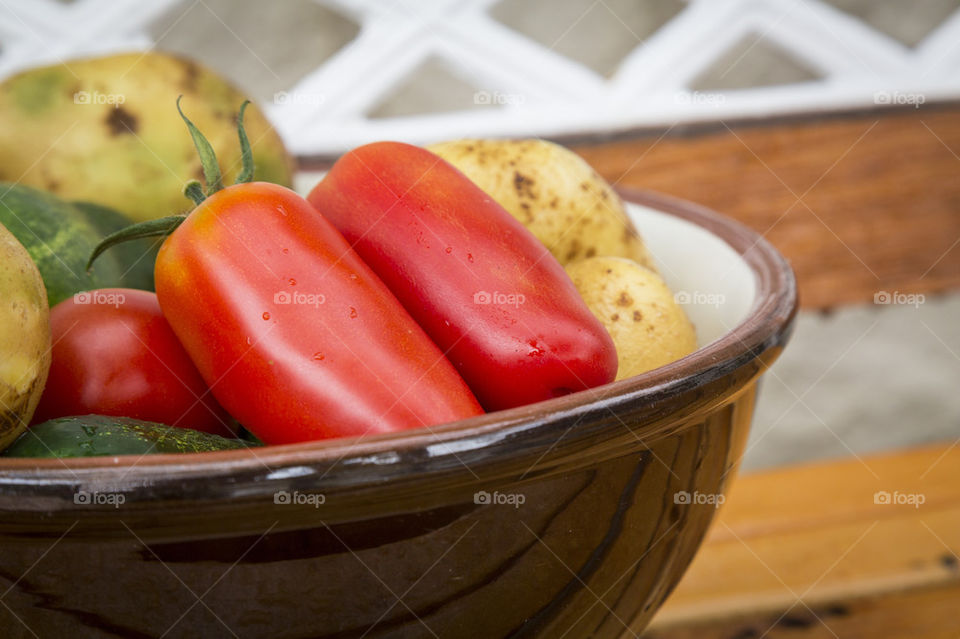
(571, 518)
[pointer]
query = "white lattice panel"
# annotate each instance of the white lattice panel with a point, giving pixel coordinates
(540, 91)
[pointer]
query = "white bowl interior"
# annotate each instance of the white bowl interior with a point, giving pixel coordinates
(715, 286)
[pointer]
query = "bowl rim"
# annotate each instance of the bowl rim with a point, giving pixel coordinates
(767, 324)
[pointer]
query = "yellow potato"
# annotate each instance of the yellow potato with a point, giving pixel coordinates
(24, 337)
(648, 328)
(106, 130)
(553, 192)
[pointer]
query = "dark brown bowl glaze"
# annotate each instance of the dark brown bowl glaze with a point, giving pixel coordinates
(399, 547)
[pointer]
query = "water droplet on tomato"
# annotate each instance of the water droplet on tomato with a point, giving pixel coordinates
(293, 282)
(319, 356)
(353, 312)
(266, 315)
(470, 257)
(535, 349)
(285, 251)
(281, 210)
(449, 250)
(249, 341)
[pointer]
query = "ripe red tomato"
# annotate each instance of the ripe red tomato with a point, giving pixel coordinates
(297, 337)
(479, 283)
(115, 354)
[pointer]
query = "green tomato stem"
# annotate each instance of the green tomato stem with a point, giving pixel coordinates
(246, 153)
(194, 191)
(208, 158)
(154, 228)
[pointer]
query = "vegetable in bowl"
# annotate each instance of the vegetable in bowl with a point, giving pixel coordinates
(398, 295)
(554, 193)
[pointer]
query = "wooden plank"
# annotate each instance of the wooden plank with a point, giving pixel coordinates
(859, 203)
(922, 613)
(815, 548)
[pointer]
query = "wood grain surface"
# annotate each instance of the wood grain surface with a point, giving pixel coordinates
(813, 551)
(860, 203)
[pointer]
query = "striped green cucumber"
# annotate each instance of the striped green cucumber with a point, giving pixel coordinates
(96, 435)
(59, 239)
(136, 257)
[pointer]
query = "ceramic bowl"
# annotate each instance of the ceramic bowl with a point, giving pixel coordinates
(569, 518)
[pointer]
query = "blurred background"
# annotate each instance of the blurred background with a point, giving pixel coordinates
(830, 126)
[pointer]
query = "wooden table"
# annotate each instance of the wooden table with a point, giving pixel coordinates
(859, 202)
(814, 551)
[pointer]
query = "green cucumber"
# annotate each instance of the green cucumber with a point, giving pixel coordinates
(59, 239)
(136, 257)
(245, 435)
(96, 435)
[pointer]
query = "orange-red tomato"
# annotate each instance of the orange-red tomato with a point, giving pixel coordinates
(295, 335)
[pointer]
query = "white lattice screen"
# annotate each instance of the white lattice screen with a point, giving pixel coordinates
(536, 90)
